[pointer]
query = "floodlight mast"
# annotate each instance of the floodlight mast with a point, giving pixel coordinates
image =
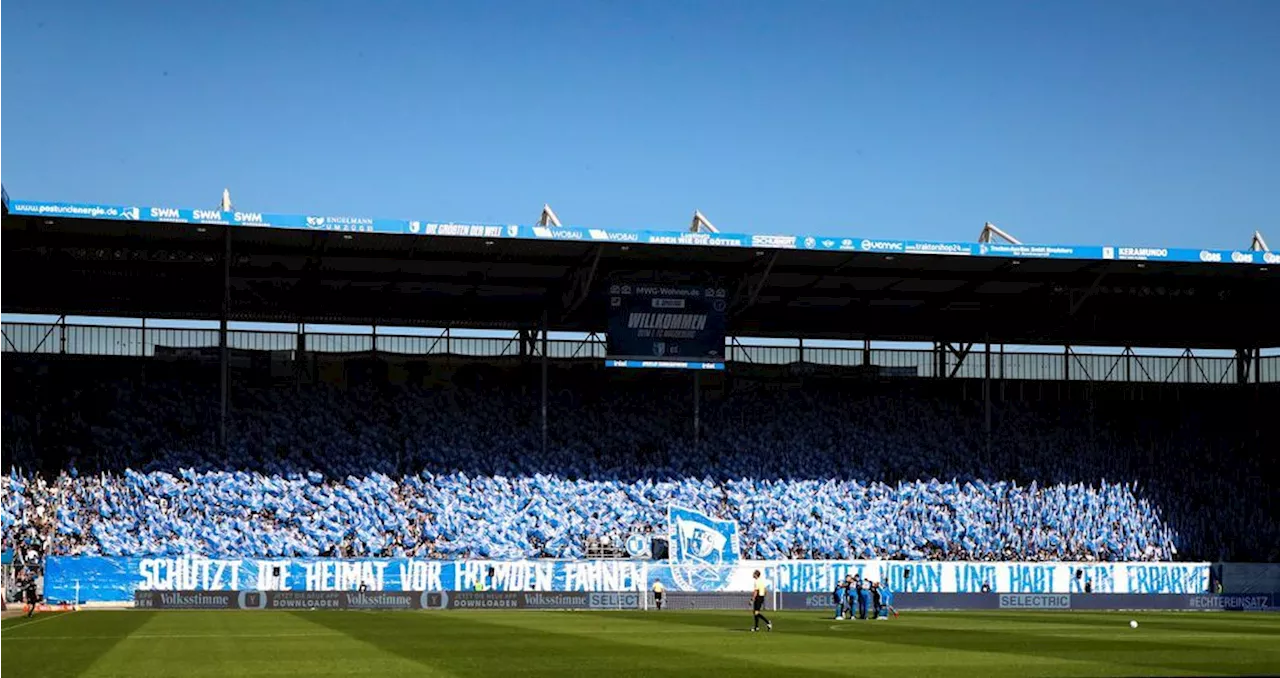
(701, 225)
(1259, 244)
(548, 217)
(225, 205)
(990, 232)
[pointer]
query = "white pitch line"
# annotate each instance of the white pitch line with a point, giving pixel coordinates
(158, 636)
(15, 627)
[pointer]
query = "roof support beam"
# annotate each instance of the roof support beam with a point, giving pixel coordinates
(991, 232)
(701, 225)
(1077, 302)
(968, 289)
(817, 280)
(548, 217)
(579, 285)
(1258, 244)
(750, 286)
(960, 354)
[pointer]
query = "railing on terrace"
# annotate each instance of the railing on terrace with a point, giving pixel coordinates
(1064, 364)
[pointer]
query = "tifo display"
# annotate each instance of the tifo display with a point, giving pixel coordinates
(454, 479)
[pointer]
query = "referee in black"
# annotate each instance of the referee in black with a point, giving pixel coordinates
(758, 591)
(29, 591)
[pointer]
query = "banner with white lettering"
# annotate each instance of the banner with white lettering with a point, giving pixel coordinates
(116, 579)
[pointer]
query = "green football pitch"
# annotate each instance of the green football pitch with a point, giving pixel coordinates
(515, 643)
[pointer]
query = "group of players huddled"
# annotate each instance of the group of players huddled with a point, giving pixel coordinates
(853, 596)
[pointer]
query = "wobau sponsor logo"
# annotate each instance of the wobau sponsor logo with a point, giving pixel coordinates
(1210, 257)
(1034, 601)
(1271, 257)
(1242, 257)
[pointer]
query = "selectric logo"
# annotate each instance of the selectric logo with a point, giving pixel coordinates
(1034, 601)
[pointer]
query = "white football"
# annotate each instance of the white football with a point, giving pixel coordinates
(1133, 624)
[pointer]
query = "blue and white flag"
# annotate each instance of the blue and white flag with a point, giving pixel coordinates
(703, 550)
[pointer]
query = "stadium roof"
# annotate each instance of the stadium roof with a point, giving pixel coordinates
(62, 258)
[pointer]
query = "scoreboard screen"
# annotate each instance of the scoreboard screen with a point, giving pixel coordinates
(652, 325)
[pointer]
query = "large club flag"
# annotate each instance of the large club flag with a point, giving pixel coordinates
(703, 550)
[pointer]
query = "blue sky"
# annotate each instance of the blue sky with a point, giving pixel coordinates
(1073, 122)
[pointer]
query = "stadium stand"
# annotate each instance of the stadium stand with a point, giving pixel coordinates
(892, 470)
(170, 448)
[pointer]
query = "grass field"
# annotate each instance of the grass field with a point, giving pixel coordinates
(511, 643)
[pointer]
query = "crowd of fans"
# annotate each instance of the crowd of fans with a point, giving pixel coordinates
(814, 473)
(27, 518)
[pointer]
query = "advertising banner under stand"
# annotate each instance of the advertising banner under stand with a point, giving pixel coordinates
(386, 600)
(1030, 601)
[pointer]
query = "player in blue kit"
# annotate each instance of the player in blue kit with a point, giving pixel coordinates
(886, 602)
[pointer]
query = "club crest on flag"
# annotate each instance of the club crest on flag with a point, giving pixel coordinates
(703, 550)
